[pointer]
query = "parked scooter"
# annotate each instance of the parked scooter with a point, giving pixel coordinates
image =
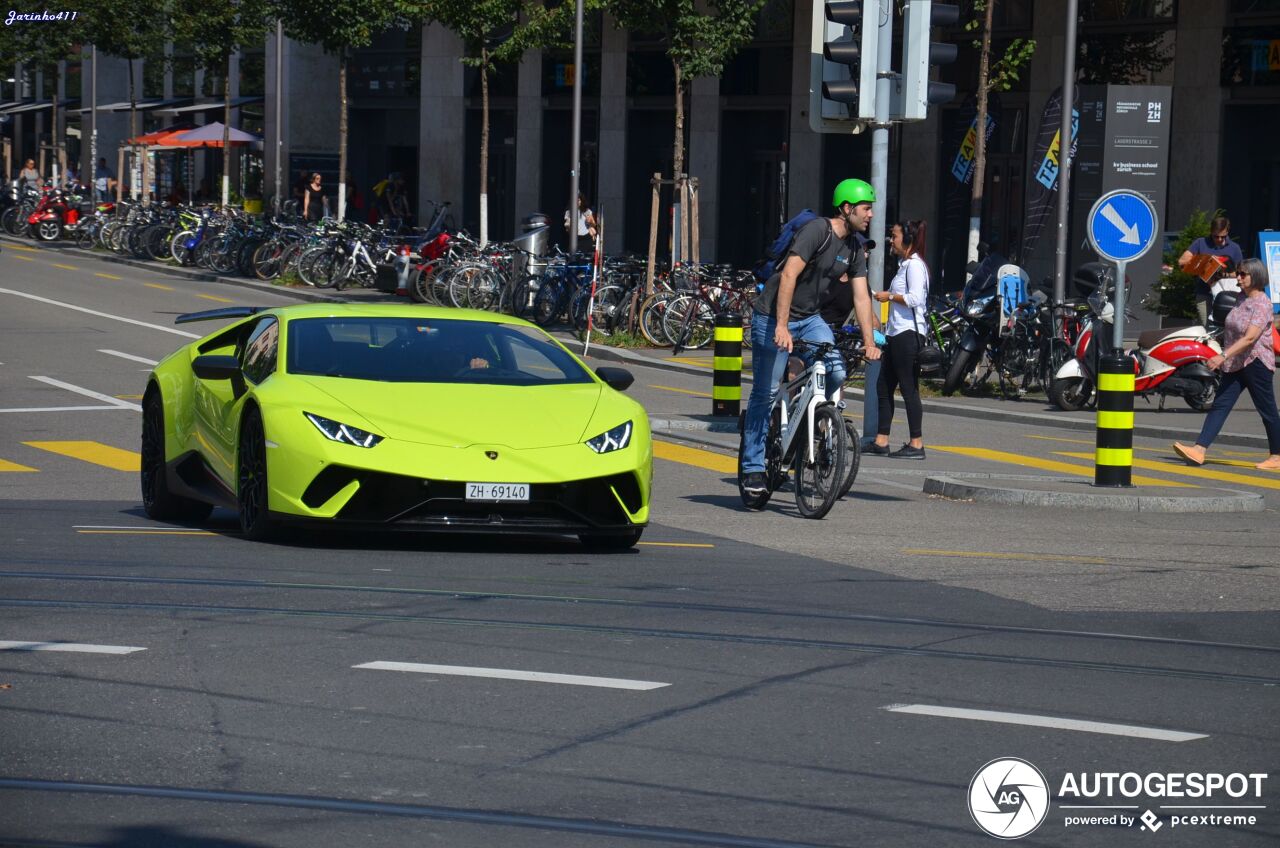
(1169, 362)
(55, 211)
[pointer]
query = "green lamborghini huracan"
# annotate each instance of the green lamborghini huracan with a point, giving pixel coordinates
(394, 416)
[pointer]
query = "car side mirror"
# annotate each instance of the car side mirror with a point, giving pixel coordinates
(616, 378)
(214, 367)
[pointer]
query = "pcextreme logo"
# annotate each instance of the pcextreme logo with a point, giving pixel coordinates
(1009, 798)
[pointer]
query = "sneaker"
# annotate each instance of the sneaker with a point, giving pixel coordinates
(753, 483)
(873, 449)
(907, 452)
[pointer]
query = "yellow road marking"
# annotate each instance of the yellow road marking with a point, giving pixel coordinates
(675, 545)
(1175, 466)
(95, 452)
(1060, 439)
(107, 276)
(215, 297)
(701, 363)
(682, 391)
(693, 456)
(158, 286)
(1257, 456)
(13, 466)
(1047, 464)
(67, 267)
(146, 532)
(24, 247)
(24, 258)
(998, 555)
(129, 397)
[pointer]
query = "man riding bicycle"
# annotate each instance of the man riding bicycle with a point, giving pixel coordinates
(824, 250)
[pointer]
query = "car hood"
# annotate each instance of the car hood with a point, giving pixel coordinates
(461, 415)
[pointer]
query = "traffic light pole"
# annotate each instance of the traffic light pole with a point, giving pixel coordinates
(880, 138)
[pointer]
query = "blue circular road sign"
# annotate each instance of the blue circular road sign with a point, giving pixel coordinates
(1122, 225)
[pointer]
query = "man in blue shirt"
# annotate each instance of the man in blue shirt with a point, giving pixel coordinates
(1218, 243)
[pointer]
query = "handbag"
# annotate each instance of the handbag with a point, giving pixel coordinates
(1275, 340)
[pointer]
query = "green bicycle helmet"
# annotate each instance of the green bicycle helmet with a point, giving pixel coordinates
(853, 191)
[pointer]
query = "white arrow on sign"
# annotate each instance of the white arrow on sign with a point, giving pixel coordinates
(1130, 230)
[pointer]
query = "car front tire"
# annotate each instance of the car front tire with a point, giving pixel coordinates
(251, 480)
(158, 502)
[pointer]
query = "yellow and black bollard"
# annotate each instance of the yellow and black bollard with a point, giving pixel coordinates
(726, 390)
(1113, 462)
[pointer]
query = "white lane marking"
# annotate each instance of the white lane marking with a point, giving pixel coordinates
(72, 647)
(122, 404)
(130, 357)
(68, 409)
(117, 527)
(513, 674)
(100, 314)
(1048, 721)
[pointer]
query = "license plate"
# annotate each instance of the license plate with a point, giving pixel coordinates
(497, 491)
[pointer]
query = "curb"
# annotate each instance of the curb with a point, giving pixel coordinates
(970, 490)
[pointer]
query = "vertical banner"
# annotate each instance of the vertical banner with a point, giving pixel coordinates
(1042, 188)
(958, 160)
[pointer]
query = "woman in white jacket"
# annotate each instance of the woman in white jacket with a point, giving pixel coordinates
(900, 364)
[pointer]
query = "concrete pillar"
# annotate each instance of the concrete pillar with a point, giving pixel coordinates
(529, 134)
(704, 159)
(804, 147)
(113, 127)
(271, 119)
(917, 171)
(442, 131)
(314, 128)
(613, 134)
(1197, 112)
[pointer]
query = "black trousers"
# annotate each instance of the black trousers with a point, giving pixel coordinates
(900, 370)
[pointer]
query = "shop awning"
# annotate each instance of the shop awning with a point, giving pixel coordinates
(147, 105)
(219, 105)
(35, 106)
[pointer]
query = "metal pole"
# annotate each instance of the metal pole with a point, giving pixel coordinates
(1117, 322)
(93, 121)
(577, 127)
(880, 140)
(279, 113)
(1064, 156)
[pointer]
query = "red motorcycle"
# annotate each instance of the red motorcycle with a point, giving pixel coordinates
(1167, 361)
(50, 215)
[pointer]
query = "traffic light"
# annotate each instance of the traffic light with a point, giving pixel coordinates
(842, 64)
(919, 53)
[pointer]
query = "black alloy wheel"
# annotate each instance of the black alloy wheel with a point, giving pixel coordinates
(157, 500)
(251, 479)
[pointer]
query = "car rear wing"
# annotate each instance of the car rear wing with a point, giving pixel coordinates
(220, 314)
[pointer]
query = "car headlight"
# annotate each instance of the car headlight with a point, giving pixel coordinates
(977, 307)
(616, 439)
(345, 433)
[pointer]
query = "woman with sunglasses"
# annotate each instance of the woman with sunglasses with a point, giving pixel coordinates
(1247, 361)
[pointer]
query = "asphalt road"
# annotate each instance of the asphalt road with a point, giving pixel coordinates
(753, 678)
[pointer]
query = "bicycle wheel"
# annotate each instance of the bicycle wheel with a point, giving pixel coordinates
(819, 480)
(853, 456)
(651, 311)
(266, 260)
(548, 303)
(689, 323)
(522, 296)
(607, 310)
(484, 290)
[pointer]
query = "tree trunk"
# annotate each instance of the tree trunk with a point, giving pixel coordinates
(679, 241)
(226, 135)
(678, 153)
(980, 153)
(484, 147)
(342, 136)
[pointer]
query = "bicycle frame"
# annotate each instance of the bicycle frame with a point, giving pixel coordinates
(810, 385)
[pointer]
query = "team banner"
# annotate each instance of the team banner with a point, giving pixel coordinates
(962, 139)
(1042, 189)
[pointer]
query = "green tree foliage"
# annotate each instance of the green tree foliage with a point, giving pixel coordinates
(214, 30)
(132, 30)
(701, 37)
(1173, 295)
(495, 32)
(338, 26)
(44, 46)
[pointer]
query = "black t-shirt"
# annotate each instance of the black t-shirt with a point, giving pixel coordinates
(836, 302)
(823, 267)
(1230, 251)
(315, 205)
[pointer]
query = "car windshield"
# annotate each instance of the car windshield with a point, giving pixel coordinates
(420, 350)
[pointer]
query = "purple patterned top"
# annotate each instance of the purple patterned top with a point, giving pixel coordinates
(1253, 311)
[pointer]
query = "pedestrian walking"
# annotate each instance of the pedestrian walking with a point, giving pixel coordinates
(824, 250)
(1217, 243)
(907, 297)
(104, 181)
(29, 176)
(1247, 361)
(314, 203)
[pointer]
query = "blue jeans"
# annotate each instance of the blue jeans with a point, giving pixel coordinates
(768, 364)
(1255, 377)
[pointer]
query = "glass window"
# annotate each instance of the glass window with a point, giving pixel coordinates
(253, 74)
(153, 78)
(414, 350)
(184, 76)
(259, 359)
(1251, 56)
(1126, 10)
